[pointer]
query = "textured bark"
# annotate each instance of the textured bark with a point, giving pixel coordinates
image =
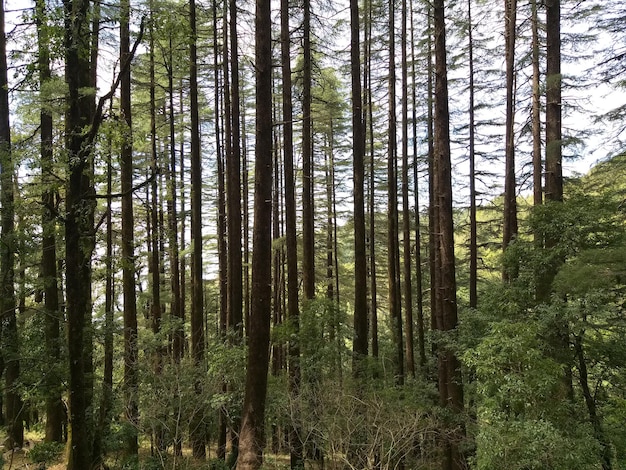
(407, 258)
(252, 431)
(509, 232)
(393, 255)
(359, 346)
(536, 113)
(54, 405)
(293, 311)
(308, 221)
(197, 314)
(554, 169)
(79, 226)
(128, 243)
(473, 246)
(450, 381)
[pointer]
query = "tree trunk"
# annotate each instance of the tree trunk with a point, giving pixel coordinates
(536, 114)
(197, 305)
(360, 340)
(407, 258)
(308, 220)
(393, 256)
(293, 310)
(54, 405)
(79, 226)
(8, 240)
(418, 231)
(473, 246)
(450, 381)
(510, 191)
(128, 243)
(252, 431)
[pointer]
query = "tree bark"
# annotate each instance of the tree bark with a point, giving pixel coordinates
(393, 256)
(450, 381)
(197, 311)
(8, 240)
(54, 405)
(252, 431)
(473, 245)
(128, 243)
(509, 232)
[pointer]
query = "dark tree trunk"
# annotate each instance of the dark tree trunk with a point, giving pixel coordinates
(510, 191)
(79, 226)
(308, 221)
(418, 230)
(198, 438)
(407, 258)
(473, 246)
(536, 114)
(293, 309)
(8, 240)
(54, 405)
(252, 431)
(393, 255)
(359, 345)
(128, 243)
(450, 381)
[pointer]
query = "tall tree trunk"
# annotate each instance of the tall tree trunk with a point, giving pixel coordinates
(197, 324)
(54, 405)
(308, 218)
(473, 245)
(368, 123)
(393, 256)
(79, 225)
(536, 113)
(360, 340)
(509, 232)
(418, 231)
(221, 228)
(8, 240)
(407, 258)
(554, 169)
(252, 430)
(450, 381)
(293, 309)
(128, 243)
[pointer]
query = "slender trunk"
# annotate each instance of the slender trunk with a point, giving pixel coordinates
(450, 381)
(473, 246)
(536, 113)
(393, 256)
(368, 119)
(359, 346)
(128, 243)
(418, 233)
(197, 305)
(509, 232)
(79, 226)
(308, 224)
(293, 310)
(54, 405)
(407, 258)
(252, 431)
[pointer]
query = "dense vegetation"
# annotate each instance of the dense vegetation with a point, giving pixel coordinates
(233, 238)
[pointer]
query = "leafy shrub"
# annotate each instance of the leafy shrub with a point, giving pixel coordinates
(44, 452)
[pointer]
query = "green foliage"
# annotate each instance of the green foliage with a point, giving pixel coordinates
(45, 452)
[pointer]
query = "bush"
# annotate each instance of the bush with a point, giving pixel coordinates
(45, 452)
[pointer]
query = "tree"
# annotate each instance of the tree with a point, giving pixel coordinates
(449, 373)
(128, 241)
(197, 302)
(251, 439)
(54, 405)
(509, 232)
(8, 241)
(359, 345)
